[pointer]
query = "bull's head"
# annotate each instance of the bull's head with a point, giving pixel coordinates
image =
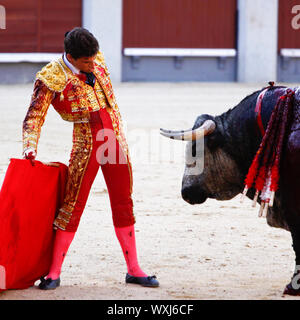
(220, 178)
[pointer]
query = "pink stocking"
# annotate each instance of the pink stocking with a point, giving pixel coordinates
(62, 242)
(126, 237)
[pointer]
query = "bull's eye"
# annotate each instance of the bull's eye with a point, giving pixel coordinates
(193, 165)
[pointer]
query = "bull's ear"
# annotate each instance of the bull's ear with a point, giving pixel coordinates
(215, 140)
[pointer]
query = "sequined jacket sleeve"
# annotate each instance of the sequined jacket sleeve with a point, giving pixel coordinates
(35, 117)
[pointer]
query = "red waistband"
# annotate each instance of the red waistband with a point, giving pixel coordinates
(95, 116)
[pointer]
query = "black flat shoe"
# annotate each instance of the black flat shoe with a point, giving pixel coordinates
(291, 291)
(143, 281)
(49, 284)
(293, 288)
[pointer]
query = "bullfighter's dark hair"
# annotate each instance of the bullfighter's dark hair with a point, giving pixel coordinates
(79, 42)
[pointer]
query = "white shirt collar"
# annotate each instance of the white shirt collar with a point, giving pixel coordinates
(69, 65)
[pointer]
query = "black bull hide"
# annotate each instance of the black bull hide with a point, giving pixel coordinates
(238, 134)
(228, 153)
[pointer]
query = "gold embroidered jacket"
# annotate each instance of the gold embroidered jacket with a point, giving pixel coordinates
(72, 98)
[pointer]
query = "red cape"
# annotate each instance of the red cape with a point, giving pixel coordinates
(29, 200)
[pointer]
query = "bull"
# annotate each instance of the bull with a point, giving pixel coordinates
(231, 141)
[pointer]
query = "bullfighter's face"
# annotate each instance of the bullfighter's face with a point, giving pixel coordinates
(85, 64)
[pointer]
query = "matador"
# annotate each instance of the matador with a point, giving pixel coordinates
(79, 88)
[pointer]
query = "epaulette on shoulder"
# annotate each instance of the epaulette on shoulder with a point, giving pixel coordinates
(53, 76)
(101, 61)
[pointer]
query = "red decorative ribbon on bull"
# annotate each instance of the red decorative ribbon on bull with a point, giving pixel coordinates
(264, 170)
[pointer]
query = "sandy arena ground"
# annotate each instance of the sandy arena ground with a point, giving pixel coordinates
(218, 250)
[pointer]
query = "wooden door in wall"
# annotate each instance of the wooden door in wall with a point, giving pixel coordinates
(289, 24)
(38, 25)
(179, 23)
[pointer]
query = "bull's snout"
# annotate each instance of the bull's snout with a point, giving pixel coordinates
(193, 195)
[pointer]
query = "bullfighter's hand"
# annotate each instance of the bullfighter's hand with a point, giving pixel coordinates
(30, 154)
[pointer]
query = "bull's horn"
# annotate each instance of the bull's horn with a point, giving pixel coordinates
(190, 135)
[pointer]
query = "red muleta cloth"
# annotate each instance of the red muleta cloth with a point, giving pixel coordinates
(29, 201)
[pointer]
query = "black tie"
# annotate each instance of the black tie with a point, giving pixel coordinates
(90, 78)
